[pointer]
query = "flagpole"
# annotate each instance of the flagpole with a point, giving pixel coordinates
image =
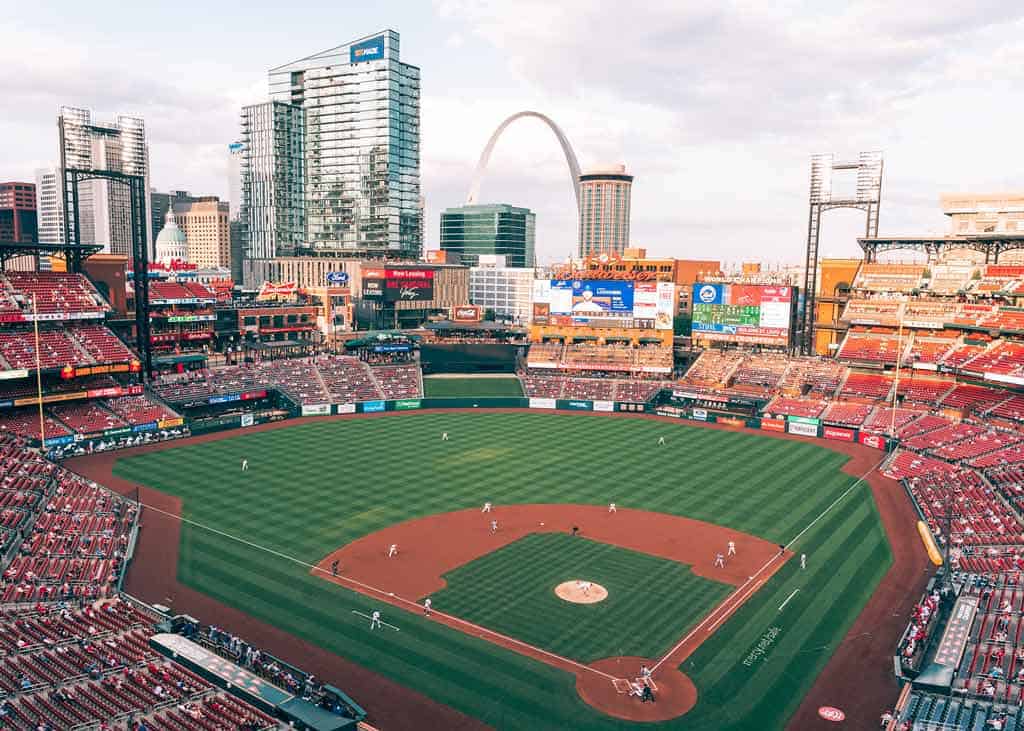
(39, 375)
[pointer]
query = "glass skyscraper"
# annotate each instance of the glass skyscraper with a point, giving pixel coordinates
(361, 147)
(490, 229)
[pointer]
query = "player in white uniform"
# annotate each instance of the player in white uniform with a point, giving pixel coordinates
(393, 550)
(612, 508)
(803, 560)
(719, 560)
(245, 465)
(487, 508)
(494, 526)
(444, 436)
(661, 441)
(732, 548)
(426, 606)
(375, 620)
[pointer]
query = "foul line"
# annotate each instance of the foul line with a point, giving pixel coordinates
(386, 594)
(743, 587)
(787, 599)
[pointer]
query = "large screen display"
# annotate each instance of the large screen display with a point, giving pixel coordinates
(603, 303)
(394, 285)
(746, 313)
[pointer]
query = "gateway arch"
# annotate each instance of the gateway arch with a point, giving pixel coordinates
(485, 156)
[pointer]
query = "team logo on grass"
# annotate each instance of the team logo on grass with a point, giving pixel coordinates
(830, 713)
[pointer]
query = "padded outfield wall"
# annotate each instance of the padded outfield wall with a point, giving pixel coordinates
(468, 358)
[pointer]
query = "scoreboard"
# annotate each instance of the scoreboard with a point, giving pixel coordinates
(743, 313)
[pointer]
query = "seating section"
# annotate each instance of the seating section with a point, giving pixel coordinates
(870, 347)
(760, 373)
(847, 414)
(866, 385)
(589, 388)
(950, 278)
(348, 379)
(296, 377)
(713, 368)
(942, 437)
(137, 410)
(966, 396)
(75, 346)
(88, 416)
(889, 277)
(542, 386)
(930, 350)
(886, 420)
(25, 422)
(101, 344)
(906, 464)
(163, 291)
(928, 711)
(56, 293)
(398, 381)
(784, 406)
(814, 376)
(923, 390)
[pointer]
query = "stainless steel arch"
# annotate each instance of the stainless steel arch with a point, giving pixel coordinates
(485, 156)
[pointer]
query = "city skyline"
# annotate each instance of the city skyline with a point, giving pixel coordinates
(722, 156)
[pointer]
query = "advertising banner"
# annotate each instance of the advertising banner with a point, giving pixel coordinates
(151, 426)
(700, 414)
(541, 313)
(170, 423)
(6, 404)
(338, 279)
(841, 435)
(778, 425)
(252, 395)
(370, 407)
(407, 404)
(467, 313)
(11, 375)
(542, 403)
(578, 405)
(592, 301)
(316, 409)
(803, 420)
(345, 408)
(804, 430)
(604, 406)
(370, 50)
(247, 420)
(872, 440)
(408, 285)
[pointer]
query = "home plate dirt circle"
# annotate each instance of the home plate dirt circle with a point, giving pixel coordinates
(580, 591)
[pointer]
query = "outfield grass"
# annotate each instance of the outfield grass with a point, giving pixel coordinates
(470, 387)
(316, 486)
(512, 591)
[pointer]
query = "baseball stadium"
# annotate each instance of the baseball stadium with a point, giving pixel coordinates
(675, 498)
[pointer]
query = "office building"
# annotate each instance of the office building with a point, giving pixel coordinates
(273, 205)
(984, 213)
(507, 291)
(161, 203)
(481, 230)
(18, 221)
(236, 152)
(49, 211)
(204, 222)
(362, 148)
(604, 210)
(104, 206)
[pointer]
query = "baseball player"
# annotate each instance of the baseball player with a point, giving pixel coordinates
(586, 587)
(487, 508)
(375, 620)
(732, 548)
(611, 508)
(245, 465)
(334, 568)
(426, 606)
(444, 436)
(661, 441)
(393, 550)
(803, 560)
(719, 560)
(494, 526)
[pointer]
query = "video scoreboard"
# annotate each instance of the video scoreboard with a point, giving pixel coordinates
(743, 313)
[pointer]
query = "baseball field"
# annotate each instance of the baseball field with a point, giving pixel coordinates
(314, 488)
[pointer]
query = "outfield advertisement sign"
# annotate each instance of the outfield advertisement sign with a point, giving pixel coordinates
(407, 404)
(841, 435)
(604, 406)
(345, 408)
(700, 414)
(370, 407)
(248, 420)
(801, 429)
(316, 409)
(542, 403)
(803, 420)
(776, 425)
(579, 405)
(872, 440)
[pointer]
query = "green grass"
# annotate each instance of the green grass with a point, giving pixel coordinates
(512, 591)
(315, 486)
(470, 387)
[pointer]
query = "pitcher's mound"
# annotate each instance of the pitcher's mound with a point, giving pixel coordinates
(579, 591)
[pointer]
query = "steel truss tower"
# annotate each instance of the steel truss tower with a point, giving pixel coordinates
(868, 198)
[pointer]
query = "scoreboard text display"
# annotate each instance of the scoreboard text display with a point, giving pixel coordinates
(743, 313)
(395, 285)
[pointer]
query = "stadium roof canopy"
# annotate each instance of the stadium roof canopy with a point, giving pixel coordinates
(376, 337)
(13, 251)
(487, 325)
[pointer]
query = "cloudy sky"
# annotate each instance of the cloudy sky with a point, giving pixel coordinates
(715, 110)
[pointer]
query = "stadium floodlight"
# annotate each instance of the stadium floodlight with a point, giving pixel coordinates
(867, 197)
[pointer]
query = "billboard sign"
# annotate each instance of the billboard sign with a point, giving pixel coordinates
(370, 407)
(371, 50)
(346, 408)
(399, 285)
(542, 403)
(700, 414)
(407, 404)
(337, 278)
(744, 313)
(604, 406)
(842, 435)
(773, 424)
(316, 409)
(872, 440)
(803, 430)
(467, 313)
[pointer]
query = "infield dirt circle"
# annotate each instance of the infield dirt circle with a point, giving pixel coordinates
(578, 591)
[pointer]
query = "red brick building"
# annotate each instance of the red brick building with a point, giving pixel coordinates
(18, 223)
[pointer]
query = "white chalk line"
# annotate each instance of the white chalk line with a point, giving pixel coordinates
(742, 587)
(386, 594)
(787, 599)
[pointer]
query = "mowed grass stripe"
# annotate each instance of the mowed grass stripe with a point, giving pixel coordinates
(316, 486)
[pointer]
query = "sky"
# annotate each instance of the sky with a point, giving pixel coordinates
(714, 107)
